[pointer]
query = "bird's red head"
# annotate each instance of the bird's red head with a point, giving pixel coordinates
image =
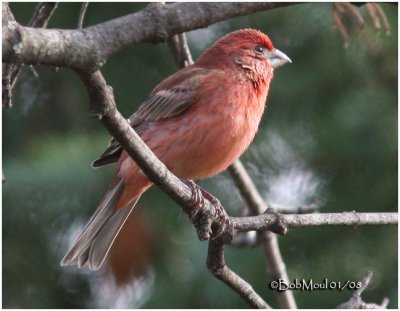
(250, 43)
(245, 38)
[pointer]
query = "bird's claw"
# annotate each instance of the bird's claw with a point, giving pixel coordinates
(197, 199)
(209, 224)
(222, 216)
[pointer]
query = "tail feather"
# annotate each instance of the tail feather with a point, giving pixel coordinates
(104, 240)
(93, 244)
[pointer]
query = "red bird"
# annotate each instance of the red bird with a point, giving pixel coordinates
(197, 121)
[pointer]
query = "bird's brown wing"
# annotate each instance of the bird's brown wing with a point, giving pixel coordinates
(170, 98)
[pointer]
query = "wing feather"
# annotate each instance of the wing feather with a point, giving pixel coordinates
(170, 98)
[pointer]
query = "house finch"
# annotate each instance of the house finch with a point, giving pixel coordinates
(197, 121)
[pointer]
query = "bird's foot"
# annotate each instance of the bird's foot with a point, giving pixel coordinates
(209, 223)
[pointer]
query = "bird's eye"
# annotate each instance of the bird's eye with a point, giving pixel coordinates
(259, 49)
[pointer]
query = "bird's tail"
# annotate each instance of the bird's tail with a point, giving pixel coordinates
(92, 246)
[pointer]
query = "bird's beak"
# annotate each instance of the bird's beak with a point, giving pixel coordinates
(278, 59)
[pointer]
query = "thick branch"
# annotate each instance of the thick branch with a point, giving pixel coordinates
(353, 219)
(88, 49)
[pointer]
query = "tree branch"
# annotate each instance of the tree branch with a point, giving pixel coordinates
(42, 14)
(88, 49)
(39, 19)
(8, 20)
(276, 268)
(180, 50)
(216, 265)
(353, 219)
(356, 301)
(82, 14)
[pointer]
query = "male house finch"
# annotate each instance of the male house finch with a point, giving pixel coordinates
(197, 121)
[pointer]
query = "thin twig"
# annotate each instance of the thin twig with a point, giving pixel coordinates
(352, 219)
(6, 94)
(216, 265)
(82, 14)
(356, 301)
(354, 12)
(375, 19)
(276, 268)
(375, 11)
(180, 50)
(383, 17)
(42, 14)
(339, 24)
(247, 188)
(341, 9)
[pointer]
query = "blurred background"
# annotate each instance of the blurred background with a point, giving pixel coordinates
(328, 139)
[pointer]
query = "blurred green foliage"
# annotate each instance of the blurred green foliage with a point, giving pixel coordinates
(335, 109)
